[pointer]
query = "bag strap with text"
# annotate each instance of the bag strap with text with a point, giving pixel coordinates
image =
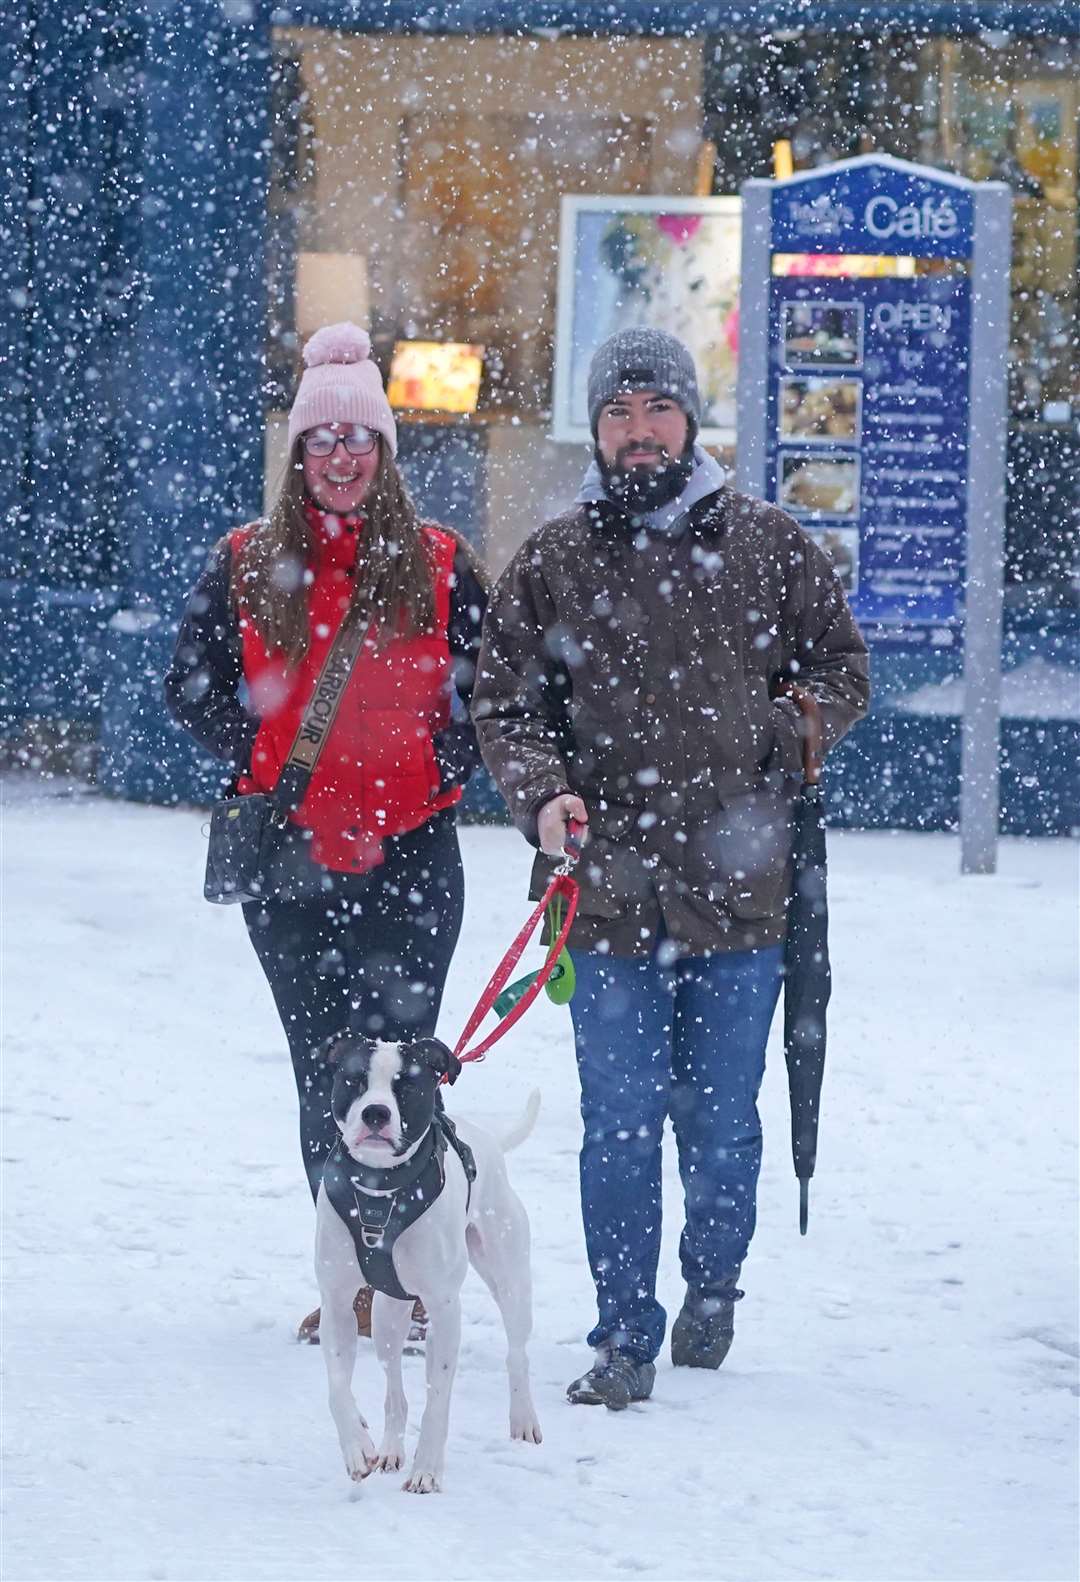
(320, 713)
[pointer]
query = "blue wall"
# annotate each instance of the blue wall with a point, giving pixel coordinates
(65, 257)
(193, 426)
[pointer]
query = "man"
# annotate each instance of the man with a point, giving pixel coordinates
(632, 657)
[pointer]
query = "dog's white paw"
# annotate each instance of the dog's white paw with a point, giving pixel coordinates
(391, 1458)
(421, 1483)
(360, 1458)
(524, 1423)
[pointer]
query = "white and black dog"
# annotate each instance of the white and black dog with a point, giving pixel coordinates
(405, 1205)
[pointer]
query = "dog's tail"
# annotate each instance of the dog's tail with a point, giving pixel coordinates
(517, 1135)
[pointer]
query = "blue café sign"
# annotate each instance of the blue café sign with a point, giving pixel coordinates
(867, 399)
(872, 208)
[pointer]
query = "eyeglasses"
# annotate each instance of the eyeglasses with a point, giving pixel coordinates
(359, 441)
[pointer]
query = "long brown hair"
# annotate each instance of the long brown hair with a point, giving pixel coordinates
(393, 583)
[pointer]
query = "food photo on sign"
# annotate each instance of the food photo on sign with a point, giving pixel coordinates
(819, 485)
(841, 544)
(820, 411)
(824, 334)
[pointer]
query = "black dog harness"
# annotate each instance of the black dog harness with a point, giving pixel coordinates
(404, 1191)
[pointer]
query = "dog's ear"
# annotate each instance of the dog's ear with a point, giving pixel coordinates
(331, 1049)
(434, 1053)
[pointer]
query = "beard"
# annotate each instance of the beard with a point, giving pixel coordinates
(642, 489)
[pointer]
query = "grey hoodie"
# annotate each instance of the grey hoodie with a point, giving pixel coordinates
(706, 478)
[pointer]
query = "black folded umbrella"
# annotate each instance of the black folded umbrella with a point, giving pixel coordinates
(807, 975)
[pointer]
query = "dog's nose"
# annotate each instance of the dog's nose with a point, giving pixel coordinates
(374, 1116)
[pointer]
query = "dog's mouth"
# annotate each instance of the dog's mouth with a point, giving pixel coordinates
(373, 1140)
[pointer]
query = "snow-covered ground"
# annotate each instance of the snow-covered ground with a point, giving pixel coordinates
(900, 1401)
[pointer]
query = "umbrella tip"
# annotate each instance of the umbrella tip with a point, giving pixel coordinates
(804, 1205)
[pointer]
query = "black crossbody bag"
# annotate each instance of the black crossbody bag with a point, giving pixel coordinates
(247, 833)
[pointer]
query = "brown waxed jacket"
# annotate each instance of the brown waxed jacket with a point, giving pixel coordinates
(640, 672)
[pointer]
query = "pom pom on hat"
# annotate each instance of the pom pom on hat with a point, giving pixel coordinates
(337, 343)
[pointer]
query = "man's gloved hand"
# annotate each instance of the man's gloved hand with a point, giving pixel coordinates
(553, 818)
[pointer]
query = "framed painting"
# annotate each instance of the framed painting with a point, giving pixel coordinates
(666, 263)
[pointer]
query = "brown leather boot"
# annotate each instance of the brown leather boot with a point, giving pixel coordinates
(308, 1333)
(362, 1309)
(418, 1328)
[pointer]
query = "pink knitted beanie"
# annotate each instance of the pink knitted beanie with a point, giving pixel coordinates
(340, 384)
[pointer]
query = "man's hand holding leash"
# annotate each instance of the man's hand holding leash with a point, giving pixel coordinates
(556, 823)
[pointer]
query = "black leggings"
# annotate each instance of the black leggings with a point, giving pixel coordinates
(372, 956)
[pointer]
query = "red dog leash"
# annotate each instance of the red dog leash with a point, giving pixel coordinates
(561, 884)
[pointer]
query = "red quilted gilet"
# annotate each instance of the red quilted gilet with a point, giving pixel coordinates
(377, 774)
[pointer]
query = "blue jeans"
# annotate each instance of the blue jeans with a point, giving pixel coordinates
(687, 1041)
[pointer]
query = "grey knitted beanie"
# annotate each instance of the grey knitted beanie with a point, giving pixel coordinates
(643, 360)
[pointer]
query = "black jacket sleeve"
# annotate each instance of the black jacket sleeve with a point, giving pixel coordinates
(457, 752)
(202, 683)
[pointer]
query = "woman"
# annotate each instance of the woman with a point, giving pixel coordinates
(365, 897)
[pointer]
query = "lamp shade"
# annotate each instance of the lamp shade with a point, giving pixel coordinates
(330, 287)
